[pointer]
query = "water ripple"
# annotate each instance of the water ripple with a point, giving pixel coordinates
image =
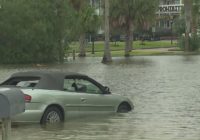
(164, 89)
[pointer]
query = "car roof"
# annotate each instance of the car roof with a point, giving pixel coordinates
(46, 73)
(52, 80)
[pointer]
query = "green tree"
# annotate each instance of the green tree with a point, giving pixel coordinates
(87, 22)
(191, 12)
(195, 17)
(130, 15)
(188, 24)
(33, 31)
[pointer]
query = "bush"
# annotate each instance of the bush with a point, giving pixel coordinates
(194, 43)
(32, 32)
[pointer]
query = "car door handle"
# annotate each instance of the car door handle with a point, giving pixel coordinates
(83, 99)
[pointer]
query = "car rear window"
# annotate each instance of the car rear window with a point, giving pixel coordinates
(23, 82)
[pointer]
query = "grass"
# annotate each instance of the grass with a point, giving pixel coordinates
(117, 50)
(134, 53)
(99, 46)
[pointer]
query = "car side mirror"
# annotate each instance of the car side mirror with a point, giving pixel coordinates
(107, 90)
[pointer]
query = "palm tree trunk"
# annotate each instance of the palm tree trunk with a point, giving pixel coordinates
(188, 18)
(61, 52)
(129, 39)
(107, 55)
(82, 44)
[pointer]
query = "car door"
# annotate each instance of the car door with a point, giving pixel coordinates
(92, 97)
(71, 98)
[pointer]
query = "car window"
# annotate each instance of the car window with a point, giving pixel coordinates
(87, 87)
(81, 86)
(23, 82)
(27, 83)
(69, 85)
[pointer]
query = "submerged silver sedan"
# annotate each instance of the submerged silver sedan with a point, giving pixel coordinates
(53, 97)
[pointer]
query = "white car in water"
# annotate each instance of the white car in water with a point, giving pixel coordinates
(52, 97)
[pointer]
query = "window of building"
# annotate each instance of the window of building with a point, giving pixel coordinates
(177, 2)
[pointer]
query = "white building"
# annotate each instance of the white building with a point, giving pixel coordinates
(168, 11)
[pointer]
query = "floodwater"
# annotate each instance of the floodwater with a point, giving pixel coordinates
(164, 89)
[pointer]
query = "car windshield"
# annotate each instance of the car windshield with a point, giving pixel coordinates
(23, 82)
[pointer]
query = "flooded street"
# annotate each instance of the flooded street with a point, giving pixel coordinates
(164, 89)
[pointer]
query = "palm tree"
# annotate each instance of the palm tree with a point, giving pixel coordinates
(131, 14)
(107, 54)
(86, 22)
(79, 5)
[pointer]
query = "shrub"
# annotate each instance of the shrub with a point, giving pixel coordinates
(32, 32)
(194, 43)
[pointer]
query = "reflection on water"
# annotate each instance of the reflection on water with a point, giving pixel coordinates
(164, 89)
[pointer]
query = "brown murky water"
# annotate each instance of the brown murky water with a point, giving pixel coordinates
(164, 89)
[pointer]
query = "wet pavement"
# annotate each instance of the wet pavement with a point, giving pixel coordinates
(164, 89)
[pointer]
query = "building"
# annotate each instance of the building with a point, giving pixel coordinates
(97, 4)
(168, 11)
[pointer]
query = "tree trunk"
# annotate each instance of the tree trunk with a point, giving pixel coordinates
(61, 52)
(188, 18)
(82, 43)
(107, 54)
(129, 39)
(59, 28)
